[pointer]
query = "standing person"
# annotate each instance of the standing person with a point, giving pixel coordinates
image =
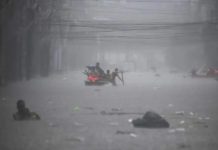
(114, 75)
(108, 75)
(99, 70)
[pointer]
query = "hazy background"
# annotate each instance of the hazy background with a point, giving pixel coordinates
(39, 37)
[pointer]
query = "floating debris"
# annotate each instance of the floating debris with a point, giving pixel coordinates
(114, 123)
(207, 118)
(176, 130)
(184, 76)
(89, 108)
(75, 139)
(115, 109)
(191, 114)
(200, 118)
(76, 108)
(201, 123)
(180, 112)
(103, 112)
(157, 75)
(205, 125)
(130, 120)
(183, 146)
(65, 78)
(77, 124)
(182, 122)
(172, 131)
(180, 129)
(50, 102)
(97, 90)
(133, 135)
(170, 105)
(156, 88)
(47, 141)
(123, 132)
(50, 124)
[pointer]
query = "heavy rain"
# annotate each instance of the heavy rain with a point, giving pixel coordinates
(108, 74)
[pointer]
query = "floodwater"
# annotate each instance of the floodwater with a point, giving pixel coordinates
(79, 117)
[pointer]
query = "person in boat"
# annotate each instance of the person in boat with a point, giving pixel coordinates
(99, 70)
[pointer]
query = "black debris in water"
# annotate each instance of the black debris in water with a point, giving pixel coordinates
(151, 120)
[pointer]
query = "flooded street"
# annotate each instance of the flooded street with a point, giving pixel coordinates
(156, 62)
(80, 117)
